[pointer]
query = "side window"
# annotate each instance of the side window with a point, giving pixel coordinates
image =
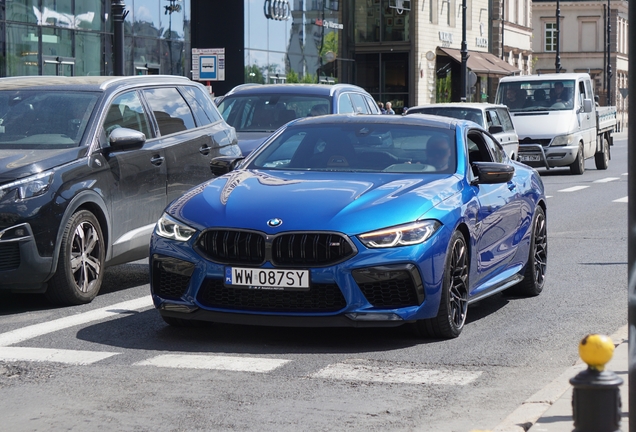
(506, 121)
(373, 106)
(495, 149)
(344, 104)
(478, 150)
(202, 105)
(359, 104)
(127, 111)
(494, 118)
(170, 110)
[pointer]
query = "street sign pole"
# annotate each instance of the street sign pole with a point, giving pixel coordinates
(631, 227)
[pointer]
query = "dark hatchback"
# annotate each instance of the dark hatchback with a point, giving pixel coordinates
(87, 165)
(257, 110)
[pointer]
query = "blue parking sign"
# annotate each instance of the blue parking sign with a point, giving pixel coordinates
(208, 67)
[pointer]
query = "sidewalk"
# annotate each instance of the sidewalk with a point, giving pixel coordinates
(550, 409)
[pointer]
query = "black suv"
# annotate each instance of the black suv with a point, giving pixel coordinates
(87, 166)
(258, 110)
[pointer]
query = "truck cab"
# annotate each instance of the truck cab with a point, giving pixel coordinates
(555, 118)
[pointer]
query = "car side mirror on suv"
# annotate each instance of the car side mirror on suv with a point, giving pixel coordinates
(126, 139)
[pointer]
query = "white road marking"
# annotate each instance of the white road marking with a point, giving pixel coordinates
(73, 357)
(366, 371)
(621, 200)
(189, 361)
(606, 180)
(116, 310)
(574, 189)
(548, 196)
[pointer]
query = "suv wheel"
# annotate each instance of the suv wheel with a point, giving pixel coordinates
(81, 262)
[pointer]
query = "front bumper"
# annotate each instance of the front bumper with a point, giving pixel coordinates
(22, 269)
(379, 288)
(537, 156)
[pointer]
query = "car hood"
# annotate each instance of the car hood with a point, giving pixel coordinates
(543, 124)
(352, 203)
(19, 163)
(248, 141)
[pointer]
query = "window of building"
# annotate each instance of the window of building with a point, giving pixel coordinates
(376, 21)
(550, 37)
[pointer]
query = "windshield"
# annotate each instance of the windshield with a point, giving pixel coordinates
(536, 95)
(268, 112)
(356, 146)
(458, 113)
(44, 119)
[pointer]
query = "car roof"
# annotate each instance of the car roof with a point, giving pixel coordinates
(544, 77)
(415, 119)
(469, 105)
(306, 89)
(87, 83)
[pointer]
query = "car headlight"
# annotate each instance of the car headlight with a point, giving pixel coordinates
(562, 140)
(401, 235)
(170, 228)
(29, 187)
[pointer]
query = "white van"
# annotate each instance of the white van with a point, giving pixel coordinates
(555, 117)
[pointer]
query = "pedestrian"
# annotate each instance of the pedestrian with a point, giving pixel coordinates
(381, 106)
(388, 109)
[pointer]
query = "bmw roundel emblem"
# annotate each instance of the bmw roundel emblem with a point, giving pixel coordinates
(275, 222)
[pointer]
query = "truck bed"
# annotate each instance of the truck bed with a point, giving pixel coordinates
(605, 119)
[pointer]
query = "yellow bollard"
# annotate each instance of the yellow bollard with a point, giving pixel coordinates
(596, 400)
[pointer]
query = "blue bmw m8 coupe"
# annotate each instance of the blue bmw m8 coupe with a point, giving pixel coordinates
(353, 220)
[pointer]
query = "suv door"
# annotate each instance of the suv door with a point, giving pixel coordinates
(507, 137)
(139, 180)
(187, 147)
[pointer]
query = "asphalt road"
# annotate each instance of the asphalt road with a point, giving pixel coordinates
(119, 367)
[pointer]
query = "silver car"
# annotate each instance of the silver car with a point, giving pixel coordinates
(492, 117)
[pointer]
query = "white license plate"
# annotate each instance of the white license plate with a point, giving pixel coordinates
(529, 158)
(267, 279)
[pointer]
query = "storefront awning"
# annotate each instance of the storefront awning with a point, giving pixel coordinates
(482, 62)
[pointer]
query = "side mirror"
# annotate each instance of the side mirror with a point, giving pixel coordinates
(587, 105)
(495, 129)
(126, 139)
(224, 164)
(492, 172)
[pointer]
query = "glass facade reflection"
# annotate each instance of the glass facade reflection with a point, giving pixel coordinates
(74, 37)
(307, 44)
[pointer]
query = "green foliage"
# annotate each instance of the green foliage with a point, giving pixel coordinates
(308, 79)
(254, 74)
(444, 90)
(292, 76)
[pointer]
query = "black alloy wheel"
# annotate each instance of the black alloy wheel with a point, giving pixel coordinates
(80, 265)
(534, 275)
(453, 306)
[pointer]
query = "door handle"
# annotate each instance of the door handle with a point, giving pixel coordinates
(204, 150)
(157, 160)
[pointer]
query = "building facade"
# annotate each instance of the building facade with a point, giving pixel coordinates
(587, 50)
(404, 51)
(75, 37)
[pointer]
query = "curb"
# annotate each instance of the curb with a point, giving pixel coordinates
(524, 417)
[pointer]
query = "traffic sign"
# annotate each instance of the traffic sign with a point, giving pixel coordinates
(208, 64)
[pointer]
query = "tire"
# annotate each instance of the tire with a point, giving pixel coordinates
(578, 166)
(601, 159)
(80, 265)
(453, 305)
(536, 266)
(180, 322)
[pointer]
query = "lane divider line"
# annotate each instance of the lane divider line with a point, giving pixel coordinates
(574, 189)
(73, 357)
(20, 335)
(227, 363)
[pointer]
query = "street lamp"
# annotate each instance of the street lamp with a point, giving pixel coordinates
(119, 12)
(557, 64)
(173, 7)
